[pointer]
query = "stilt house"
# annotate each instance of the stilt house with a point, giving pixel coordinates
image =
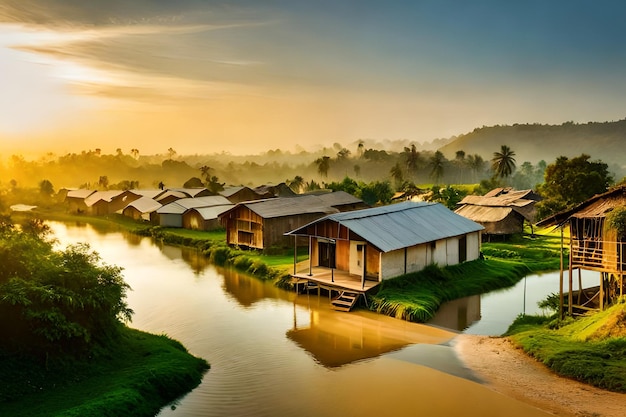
(595, 244)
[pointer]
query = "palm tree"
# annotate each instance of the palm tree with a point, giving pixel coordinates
(323, 165)
(204, 169)
(436, 163)
(171, 152)
(397, 174)
(503, 162)
(296, 184)
(476, 163)
(413, 158)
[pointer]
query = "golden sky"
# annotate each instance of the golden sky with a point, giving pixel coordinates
(205, 76)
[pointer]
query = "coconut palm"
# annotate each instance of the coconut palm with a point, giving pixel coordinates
(296, 184)
(476, 163)
(397, 174)
(323, 165)
(503, 162)
(436, 163)
(413, 158)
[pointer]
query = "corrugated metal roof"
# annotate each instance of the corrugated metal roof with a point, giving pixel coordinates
(191, 192)
(288, 206)
(153, 194)
(184, 204)
(177, 194)
(145, 205)
(402, 225)
(213, 200)
(484, 214)
(81, 193)
(172, 208)
(102, 195)
(209, 213)
(338, 198)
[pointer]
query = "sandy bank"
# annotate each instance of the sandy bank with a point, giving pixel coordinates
(508, 370)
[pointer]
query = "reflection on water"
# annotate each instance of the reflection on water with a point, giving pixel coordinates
(276, 353)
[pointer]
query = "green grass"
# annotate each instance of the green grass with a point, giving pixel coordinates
(137, 375)
(590, 349)
(417, 296)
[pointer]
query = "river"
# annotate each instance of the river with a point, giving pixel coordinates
(275, 353)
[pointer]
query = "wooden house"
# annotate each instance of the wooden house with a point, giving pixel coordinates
(102, 203)
(193, 192)
(594, 246)
(262, 224)
(279, 190)
(356, 250)
(342, 200)
(143, 208)
(169, 196)
(204, 218)
(502, 211)
(238, 194)
(171, 215)
(75, 200)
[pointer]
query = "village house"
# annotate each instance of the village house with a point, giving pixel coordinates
(102, 203)
(594, 246)
(501, 212)
(171, 215)
(261, 224)
(75, 200)
(144, 208)
(238, 194)
(357, 250)
(204, 218)
(169, 196)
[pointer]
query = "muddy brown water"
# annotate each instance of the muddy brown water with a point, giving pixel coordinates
(275, 353)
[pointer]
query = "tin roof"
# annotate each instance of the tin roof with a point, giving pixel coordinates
(184, 204)
(209, 213)
(337, 198)
(145, 205)
(288, 206)
(80, 193)
(402, 225)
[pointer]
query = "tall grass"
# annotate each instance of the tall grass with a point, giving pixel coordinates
(418, 296)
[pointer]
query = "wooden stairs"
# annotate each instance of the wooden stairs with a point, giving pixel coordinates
(345, 301)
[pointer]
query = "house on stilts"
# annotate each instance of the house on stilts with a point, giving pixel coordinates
(595, 244)
(350, 253)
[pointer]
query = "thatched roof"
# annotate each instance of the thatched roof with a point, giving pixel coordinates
(597, 206)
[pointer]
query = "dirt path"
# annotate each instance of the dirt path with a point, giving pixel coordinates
(508, 370)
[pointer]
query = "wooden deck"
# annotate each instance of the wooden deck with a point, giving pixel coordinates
(332, 280)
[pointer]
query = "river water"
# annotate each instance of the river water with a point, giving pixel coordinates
(275, 353)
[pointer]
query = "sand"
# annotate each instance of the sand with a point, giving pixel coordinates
(509, 371)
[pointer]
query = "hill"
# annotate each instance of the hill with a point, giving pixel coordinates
(535, 142)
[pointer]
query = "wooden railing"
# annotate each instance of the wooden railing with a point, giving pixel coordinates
(598, 254)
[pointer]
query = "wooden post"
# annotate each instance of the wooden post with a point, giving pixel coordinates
(295, 253)
(364, 266)
(601, 291)
(310, 256)
(561, 280)
(569, 278)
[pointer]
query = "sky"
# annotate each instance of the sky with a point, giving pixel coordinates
(243, 77)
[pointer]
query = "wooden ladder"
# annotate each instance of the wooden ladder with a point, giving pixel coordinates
(345, 301)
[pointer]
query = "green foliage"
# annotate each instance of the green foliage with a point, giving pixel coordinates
(377, 192)
(449, 196)
(572, 181)
(616, 219)
(136, 375)
(348, 185)
(53, 301)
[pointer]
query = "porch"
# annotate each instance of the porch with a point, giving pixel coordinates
(331, 280)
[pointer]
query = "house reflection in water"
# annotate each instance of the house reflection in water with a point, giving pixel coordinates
(458, 314)
(335, 339)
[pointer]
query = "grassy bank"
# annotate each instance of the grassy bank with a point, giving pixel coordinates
(590, 349)
(136, 375)
(417, 296)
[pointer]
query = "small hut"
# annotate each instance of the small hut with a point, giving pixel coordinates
(595, 244)
(501, 212)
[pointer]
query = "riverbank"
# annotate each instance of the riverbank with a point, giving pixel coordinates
(508, 370)
(136, 375)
